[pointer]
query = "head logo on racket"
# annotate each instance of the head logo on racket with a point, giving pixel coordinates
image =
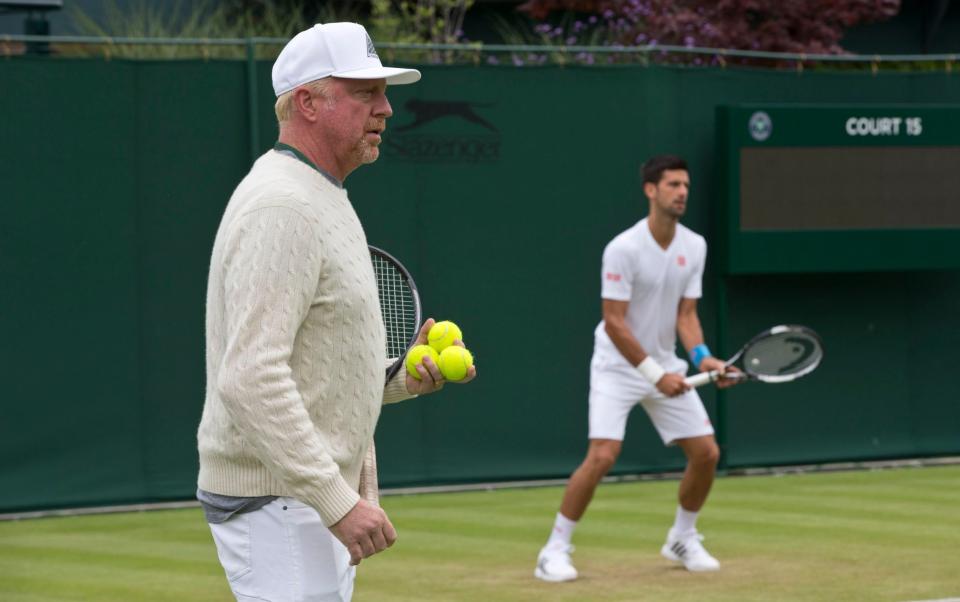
(776, 355)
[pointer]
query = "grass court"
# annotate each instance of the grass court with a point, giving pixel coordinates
(888, 535)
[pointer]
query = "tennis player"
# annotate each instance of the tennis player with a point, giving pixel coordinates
(295, 340)
(651, 280)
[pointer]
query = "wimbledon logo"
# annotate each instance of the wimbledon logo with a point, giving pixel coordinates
(760, 126)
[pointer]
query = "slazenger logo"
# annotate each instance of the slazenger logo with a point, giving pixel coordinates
(425, 111)
(446, 131)
(760, 126)
(613, 277)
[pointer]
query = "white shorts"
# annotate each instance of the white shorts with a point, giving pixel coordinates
(283, 553)
(615, 389)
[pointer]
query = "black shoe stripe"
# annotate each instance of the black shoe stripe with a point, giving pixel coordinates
(679, 549)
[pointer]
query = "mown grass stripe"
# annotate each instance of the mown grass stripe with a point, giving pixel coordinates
(842, 536)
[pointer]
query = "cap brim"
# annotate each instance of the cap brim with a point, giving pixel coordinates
(393, 75)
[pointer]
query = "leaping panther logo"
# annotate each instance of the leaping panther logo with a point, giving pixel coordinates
(425, 111)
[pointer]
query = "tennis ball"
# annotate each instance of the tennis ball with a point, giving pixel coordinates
(415, 357)
(443, 334)
(454, 363)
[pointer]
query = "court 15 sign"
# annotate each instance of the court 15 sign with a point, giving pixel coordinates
(884, 126)
(834, 188)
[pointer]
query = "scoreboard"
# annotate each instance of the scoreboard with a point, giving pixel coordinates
(839, 188)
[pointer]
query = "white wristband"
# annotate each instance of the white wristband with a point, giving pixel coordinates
(651, 370)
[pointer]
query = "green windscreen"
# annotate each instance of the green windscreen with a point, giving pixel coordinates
(498, 187)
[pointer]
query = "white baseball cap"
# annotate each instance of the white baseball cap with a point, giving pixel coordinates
(335, 49)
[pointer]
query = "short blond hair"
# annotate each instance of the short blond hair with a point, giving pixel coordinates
(284, 106)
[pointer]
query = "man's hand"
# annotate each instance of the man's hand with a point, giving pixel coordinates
(365, 530)
(430, 377)
(712, 363)
(672, 385)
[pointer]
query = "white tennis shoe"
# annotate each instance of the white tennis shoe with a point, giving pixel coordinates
(555, 565)
(686, 548)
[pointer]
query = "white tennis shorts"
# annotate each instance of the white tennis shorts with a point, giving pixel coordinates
(283, 553)
(615, 388)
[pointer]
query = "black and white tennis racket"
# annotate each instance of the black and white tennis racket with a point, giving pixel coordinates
(399, 305)
(776, 355)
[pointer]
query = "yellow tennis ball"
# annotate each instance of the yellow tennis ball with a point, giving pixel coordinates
(443, 334)
(415, 357)
(454, 363)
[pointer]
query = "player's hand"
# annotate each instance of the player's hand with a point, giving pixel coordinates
(431, 379)
(365, 530)
(724, 382)
(728, 379)
(672, 385)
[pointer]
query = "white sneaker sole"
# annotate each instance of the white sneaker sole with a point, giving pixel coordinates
(539, 574)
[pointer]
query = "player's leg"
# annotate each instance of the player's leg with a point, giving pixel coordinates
(683, 540)
(554, 562)
(601, 456)
(608, 419)
(283, 552)
(702, 456)
(683, 421)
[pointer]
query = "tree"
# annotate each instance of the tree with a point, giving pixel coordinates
(798, 26)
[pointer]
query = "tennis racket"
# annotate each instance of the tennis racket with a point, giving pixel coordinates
(776, 355)
(399, 305)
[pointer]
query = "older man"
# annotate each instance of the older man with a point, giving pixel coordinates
(295, 341)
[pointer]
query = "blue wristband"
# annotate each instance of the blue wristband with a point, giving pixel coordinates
(698, 354)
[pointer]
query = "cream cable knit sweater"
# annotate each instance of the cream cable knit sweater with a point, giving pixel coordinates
(295, 343)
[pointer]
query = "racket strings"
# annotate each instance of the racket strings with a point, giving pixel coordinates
(783, 355)
(397, 306)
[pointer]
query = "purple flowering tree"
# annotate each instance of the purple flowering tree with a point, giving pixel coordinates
(797, 26)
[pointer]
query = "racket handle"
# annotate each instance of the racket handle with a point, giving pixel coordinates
(698, 380)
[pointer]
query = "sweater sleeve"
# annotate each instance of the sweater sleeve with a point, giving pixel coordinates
(396, 389)
(272, 267)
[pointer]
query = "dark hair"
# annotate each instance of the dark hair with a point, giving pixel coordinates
(654, 167)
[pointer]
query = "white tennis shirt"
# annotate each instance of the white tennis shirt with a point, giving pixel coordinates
(653, 280)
